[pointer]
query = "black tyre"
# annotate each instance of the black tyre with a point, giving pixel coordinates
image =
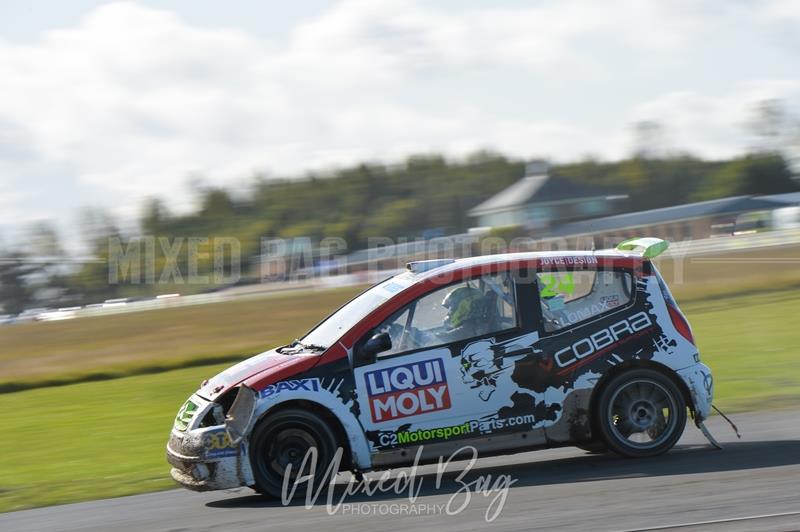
(641, 413)
(281, 440)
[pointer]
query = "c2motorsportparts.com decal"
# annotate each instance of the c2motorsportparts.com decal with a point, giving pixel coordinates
(403, 437)
(407, 390)
(474, 427)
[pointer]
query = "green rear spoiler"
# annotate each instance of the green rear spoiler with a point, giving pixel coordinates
(649, 248)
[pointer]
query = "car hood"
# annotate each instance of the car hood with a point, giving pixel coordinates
(263, 365)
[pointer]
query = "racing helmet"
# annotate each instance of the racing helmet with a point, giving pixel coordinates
(463, 304)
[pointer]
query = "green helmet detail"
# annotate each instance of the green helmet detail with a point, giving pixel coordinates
(464, 303)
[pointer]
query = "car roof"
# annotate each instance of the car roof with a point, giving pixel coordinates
(409, 284)
(426, 269)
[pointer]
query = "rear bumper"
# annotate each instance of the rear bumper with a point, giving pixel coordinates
(205, 460)
(700, 382)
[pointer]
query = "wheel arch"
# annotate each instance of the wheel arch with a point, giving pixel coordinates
(353, 456)
(628, 366)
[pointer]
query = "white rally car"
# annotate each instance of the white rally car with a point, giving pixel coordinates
(504, 353)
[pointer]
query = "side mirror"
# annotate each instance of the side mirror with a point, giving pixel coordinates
(377, 344)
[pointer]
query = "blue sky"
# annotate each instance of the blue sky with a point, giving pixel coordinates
(103, 104)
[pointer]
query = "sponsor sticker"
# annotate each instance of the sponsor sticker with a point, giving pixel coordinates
(610, 301)
(218, 444)
(566, 261)
(185, 415)
(604, 339)
(407, 390)
(474, 426)
(403, 437)
(499, 423)
(309, 385)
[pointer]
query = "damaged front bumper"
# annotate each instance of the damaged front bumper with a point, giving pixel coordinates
(202, 455)
(701, 387)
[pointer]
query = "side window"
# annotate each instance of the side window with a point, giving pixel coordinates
(568, 298)
(468, 309)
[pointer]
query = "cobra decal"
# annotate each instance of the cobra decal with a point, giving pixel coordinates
(598, 342)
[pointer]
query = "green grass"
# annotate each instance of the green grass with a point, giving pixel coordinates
(106, 439)
(91, 440)
(102, 347)
(752, 345)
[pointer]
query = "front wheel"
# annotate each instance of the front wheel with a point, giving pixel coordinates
(279, 445)
(641, 413)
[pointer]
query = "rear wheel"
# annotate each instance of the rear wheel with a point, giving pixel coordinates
(280, 443)
(641, 413)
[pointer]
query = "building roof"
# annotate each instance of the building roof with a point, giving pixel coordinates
(539, 188)
(718, 207)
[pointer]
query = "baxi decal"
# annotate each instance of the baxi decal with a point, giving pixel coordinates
(407, 390)
(309, 385)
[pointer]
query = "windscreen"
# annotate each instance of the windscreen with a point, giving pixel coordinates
(334, 326)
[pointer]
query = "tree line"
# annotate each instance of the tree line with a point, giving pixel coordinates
(422, 196)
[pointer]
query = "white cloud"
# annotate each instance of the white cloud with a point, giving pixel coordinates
(132, 100)
(715, 126)
(389, 40)
(780, 11)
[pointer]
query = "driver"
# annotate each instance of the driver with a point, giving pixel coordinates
(467, 310)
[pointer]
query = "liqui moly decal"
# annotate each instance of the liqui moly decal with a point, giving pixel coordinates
(407, 390)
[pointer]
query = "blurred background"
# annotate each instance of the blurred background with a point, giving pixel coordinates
(185, 184)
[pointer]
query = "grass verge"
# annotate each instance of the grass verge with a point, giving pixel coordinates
(104, 347)
(92, 440)
(751, 343)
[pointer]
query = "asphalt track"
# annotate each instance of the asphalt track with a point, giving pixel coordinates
(753, 484)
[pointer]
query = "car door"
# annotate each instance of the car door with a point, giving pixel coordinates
(584, 325)
(449, 368)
